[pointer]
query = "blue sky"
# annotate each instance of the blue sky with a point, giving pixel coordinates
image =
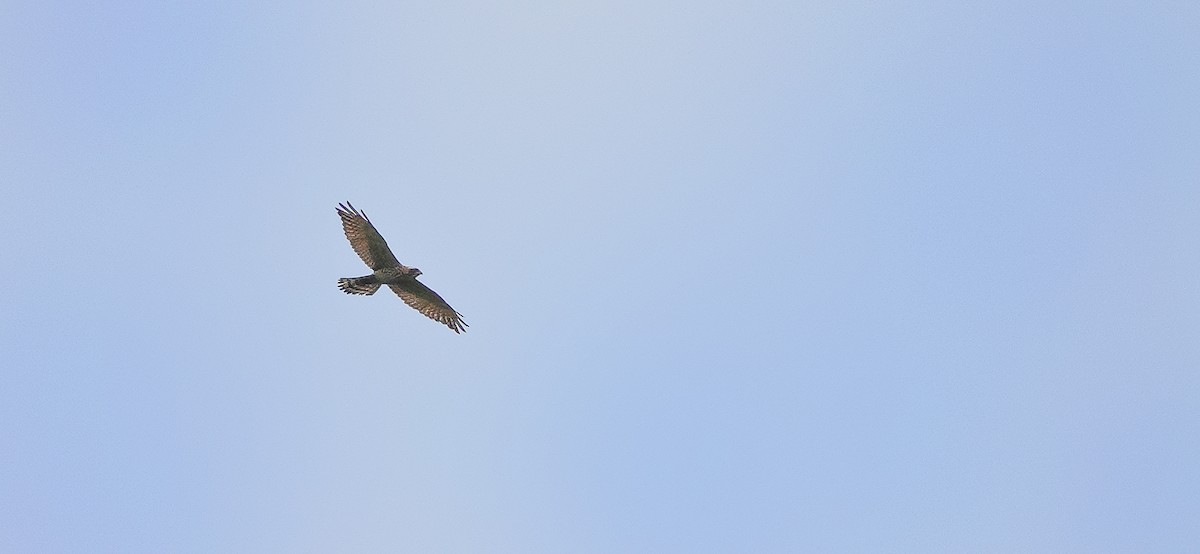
(741, 277)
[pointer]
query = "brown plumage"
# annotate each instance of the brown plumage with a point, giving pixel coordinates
(374, 251)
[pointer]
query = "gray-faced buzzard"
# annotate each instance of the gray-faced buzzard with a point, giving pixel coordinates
(374, 251)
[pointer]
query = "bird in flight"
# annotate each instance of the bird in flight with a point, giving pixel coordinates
(374, 251)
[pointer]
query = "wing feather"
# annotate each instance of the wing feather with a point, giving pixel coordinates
(364, 239)
(424, 300)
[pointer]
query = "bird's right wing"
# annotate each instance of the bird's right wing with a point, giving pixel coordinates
(366, 241)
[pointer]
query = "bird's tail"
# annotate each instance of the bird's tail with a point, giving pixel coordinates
(359, 285)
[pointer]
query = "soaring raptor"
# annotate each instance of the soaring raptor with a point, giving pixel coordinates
(374, 251)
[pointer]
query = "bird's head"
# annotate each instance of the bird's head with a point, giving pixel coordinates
(414, 271)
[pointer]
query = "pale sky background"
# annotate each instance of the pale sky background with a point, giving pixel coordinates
(741, 277)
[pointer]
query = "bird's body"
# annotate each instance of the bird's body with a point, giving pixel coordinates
(368, 284)
(374, 251)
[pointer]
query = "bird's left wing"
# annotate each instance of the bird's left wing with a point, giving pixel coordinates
(424, 300)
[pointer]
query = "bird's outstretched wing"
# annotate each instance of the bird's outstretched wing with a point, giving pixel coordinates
(366, 241)
(424, 300)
